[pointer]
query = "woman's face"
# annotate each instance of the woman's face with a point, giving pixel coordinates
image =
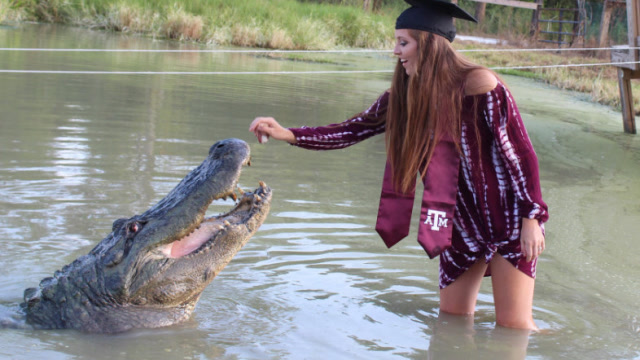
(406, 50)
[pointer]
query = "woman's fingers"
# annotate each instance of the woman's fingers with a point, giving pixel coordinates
(262, 127)
(267, 127)
(532, 249)
(531, 239)
(534, 252)
(259, 122)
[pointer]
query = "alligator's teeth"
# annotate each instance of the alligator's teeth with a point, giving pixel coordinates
(234, 196)
(262, 185)
(220, 227)
(240, 191)
(249, 162)
(257, 197)
(227, 223)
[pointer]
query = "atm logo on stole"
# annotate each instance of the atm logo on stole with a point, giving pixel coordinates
(436, 219)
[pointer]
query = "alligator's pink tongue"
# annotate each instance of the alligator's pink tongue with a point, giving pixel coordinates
(193, 241)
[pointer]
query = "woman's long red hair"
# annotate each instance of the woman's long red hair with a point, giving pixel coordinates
(424, 107)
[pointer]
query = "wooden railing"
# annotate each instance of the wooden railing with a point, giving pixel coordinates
(629, 55)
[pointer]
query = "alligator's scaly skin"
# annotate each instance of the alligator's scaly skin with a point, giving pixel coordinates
(140, 275)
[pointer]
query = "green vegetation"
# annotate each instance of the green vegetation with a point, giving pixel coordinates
(280, 24)
(599, 83)
(325, 24)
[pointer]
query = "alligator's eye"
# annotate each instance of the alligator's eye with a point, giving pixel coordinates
(134, 227)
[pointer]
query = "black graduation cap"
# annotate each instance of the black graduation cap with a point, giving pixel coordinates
(435, 16)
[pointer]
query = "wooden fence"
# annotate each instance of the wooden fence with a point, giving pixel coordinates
(629, 54)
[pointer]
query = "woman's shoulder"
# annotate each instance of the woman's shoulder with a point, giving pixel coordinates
(480, 81)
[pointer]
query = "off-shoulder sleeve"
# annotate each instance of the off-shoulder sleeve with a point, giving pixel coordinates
(516, 151)
(337, 136)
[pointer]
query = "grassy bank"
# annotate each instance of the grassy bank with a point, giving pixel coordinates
(598, 83)
(292, 24)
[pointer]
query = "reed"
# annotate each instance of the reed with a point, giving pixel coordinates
(282, 24)
(4, 11)
(11, 11)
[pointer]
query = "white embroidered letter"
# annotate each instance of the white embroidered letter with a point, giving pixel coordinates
(439, 219)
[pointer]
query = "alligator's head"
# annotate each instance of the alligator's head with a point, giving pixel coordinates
(151, 270)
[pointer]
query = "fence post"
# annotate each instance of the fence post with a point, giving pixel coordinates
(626, 100)
(607, 9)
(534, 21)
(480, 11)
(366, 5)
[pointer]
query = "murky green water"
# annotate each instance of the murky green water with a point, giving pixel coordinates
(79, 151)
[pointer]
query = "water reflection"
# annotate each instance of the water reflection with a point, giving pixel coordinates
(191, 343)
(455, 337)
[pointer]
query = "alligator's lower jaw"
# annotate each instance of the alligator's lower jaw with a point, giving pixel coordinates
(206, 233)
(192, 242)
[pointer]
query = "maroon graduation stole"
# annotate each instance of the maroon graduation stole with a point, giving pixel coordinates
(438, 202)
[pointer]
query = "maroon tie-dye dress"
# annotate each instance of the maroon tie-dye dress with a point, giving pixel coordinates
(498, 183)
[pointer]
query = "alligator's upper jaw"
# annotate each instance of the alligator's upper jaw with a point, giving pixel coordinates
(240, 223)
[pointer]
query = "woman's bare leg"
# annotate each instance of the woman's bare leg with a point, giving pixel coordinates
(512, 295)
(459, 298)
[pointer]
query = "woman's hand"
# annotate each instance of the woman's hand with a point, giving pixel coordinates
(531, 239)
(265, 127)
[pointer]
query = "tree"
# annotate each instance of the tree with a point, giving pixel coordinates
(371, 5)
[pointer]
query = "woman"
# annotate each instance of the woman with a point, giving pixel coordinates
(439, 98)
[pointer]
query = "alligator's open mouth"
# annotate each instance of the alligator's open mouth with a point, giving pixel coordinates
(204, 235)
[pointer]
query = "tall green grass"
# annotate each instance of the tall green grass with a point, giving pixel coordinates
(11, 10)
(283, 24)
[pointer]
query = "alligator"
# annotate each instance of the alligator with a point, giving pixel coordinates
(151, 270)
